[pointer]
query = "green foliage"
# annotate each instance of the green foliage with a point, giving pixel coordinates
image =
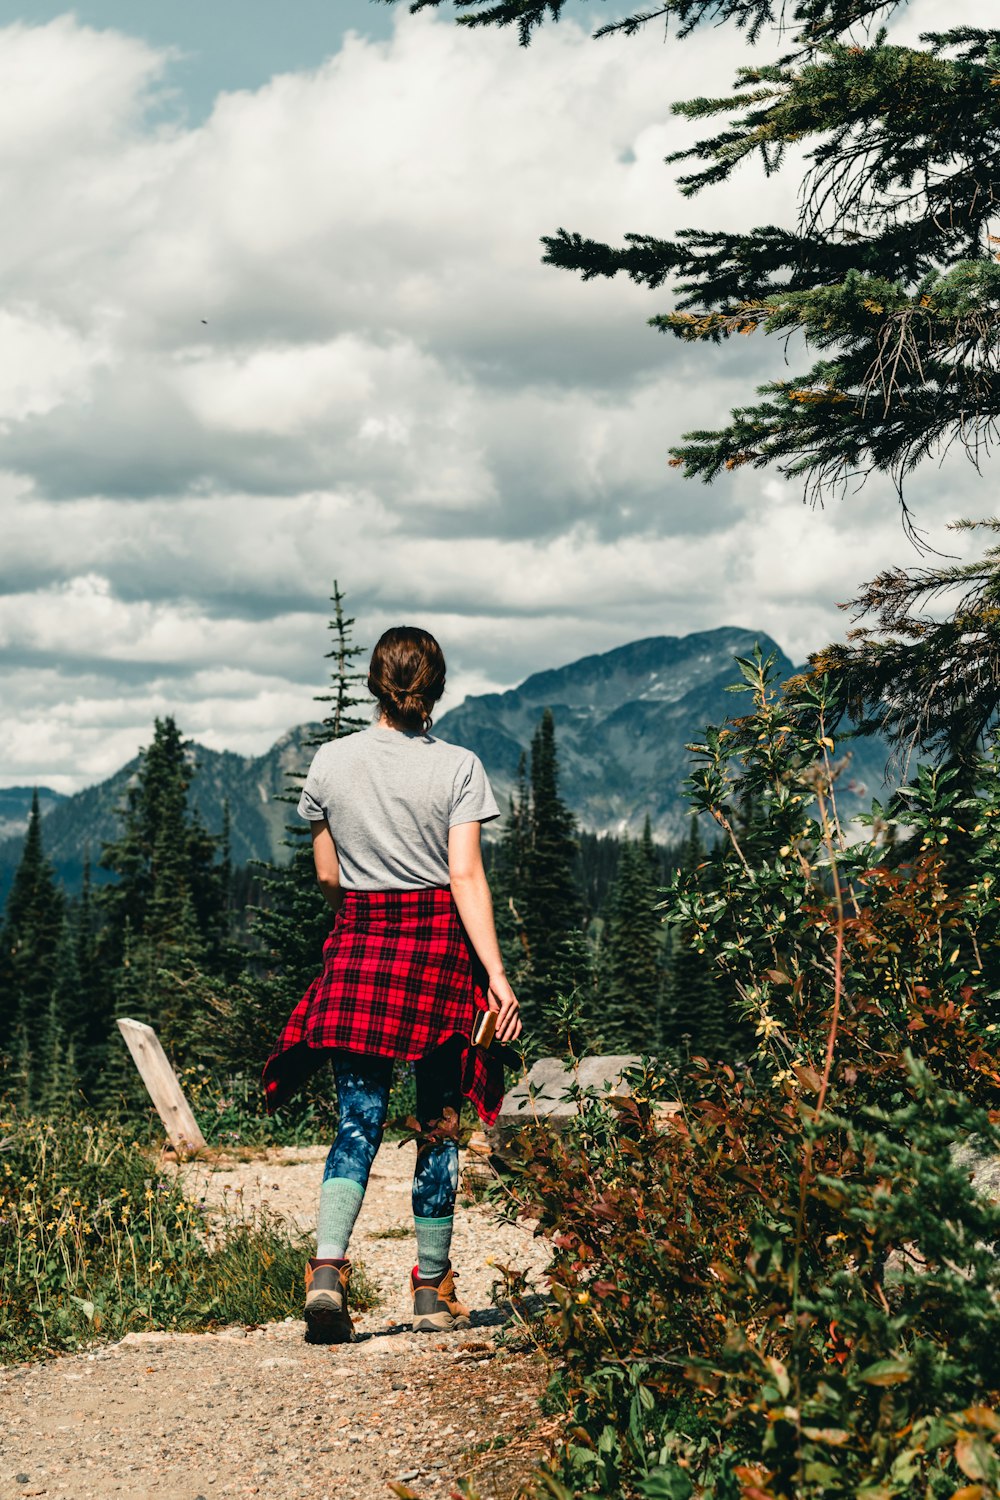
(926, 681)
(30, 938)
(596, 867)
(761, 903)
(507, 867)
(97, 1239)
(344, 697)
(169, 888)
(790, 1289)
(632, 952)
(818, 18)
(889, 274)
(230, 1110)
(552, 906)
(159, 944)
(85, 1007)
(582, 935)
(537, 902)
(755, 1302)
(162, 922)
(698, 1020)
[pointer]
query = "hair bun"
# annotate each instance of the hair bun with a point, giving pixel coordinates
(411, 705)
(407, 676)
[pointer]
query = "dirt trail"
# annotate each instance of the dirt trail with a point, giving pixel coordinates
(185, 1416)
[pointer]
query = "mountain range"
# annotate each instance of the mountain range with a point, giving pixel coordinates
(623, 719)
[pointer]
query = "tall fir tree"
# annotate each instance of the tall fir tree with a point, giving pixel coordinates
(508, 877)
(89, 1008)
(697, 1020)
(29, 950)
(56, 1083)
(889, 273)
(52, 1089)
(292, 920)
(348, 687)
(632, 948)
(170, 882)
(134, 992)
(164, 916)
(886, 282)
(552, 911)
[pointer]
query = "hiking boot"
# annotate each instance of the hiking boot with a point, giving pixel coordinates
(436, 1308)
(326, 1315)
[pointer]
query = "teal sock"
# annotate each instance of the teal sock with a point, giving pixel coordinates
(340, 1200)
(433, 1245)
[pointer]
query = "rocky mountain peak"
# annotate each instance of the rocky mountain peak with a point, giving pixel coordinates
(623, 720)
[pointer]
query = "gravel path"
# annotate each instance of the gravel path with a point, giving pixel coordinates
(183, 1416)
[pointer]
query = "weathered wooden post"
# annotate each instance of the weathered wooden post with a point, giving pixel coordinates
(162, 1086)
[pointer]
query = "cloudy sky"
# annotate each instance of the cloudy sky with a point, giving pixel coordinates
(272, 311)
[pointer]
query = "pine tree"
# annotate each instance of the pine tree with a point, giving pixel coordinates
(927, 680)
(345, 679)
(889, 282)
(632, 951)
(697, 1020)
(508, 876)
(889, 274)
(19, 1078)
(117, 1088)
(51, 1088)
(169, 882)
(55, 1081)
(165, 914)
(293, 919)
(596, 869)
(29, 946)
(89, 1010)
(552, 912)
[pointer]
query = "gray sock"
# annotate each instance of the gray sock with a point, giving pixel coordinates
(340, 1200)
(433, 1245)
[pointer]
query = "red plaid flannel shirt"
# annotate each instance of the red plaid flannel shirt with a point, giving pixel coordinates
(399, 978)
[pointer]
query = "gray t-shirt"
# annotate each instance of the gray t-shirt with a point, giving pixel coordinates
(389, 798)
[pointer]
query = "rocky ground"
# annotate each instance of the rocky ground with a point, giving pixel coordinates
(241, 1412)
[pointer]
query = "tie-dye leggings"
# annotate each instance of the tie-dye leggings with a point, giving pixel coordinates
(363, 1098)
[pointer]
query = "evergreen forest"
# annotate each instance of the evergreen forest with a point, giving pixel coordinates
(215, 957)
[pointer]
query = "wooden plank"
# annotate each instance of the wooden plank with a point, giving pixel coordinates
(162, 1086)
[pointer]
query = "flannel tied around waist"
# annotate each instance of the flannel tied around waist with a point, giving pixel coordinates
(399, 978)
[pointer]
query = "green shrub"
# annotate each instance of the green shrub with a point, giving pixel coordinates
(750, 1302)
(790, 1290)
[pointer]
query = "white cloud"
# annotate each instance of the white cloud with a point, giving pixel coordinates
(313, 337)
(45, 363)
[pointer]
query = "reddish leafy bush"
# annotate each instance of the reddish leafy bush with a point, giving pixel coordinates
(791, 1289)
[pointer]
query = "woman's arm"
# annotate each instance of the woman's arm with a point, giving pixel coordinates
(475, 907)
(327, 864)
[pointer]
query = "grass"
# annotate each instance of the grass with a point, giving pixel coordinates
(230, 1112)
(95, 1243)
(397, 1232)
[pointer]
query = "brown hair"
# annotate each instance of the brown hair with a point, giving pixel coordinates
(407, 676)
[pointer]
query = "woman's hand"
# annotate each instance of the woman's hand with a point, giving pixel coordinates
(502, 999)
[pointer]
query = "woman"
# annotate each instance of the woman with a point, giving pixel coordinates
(411, 961)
